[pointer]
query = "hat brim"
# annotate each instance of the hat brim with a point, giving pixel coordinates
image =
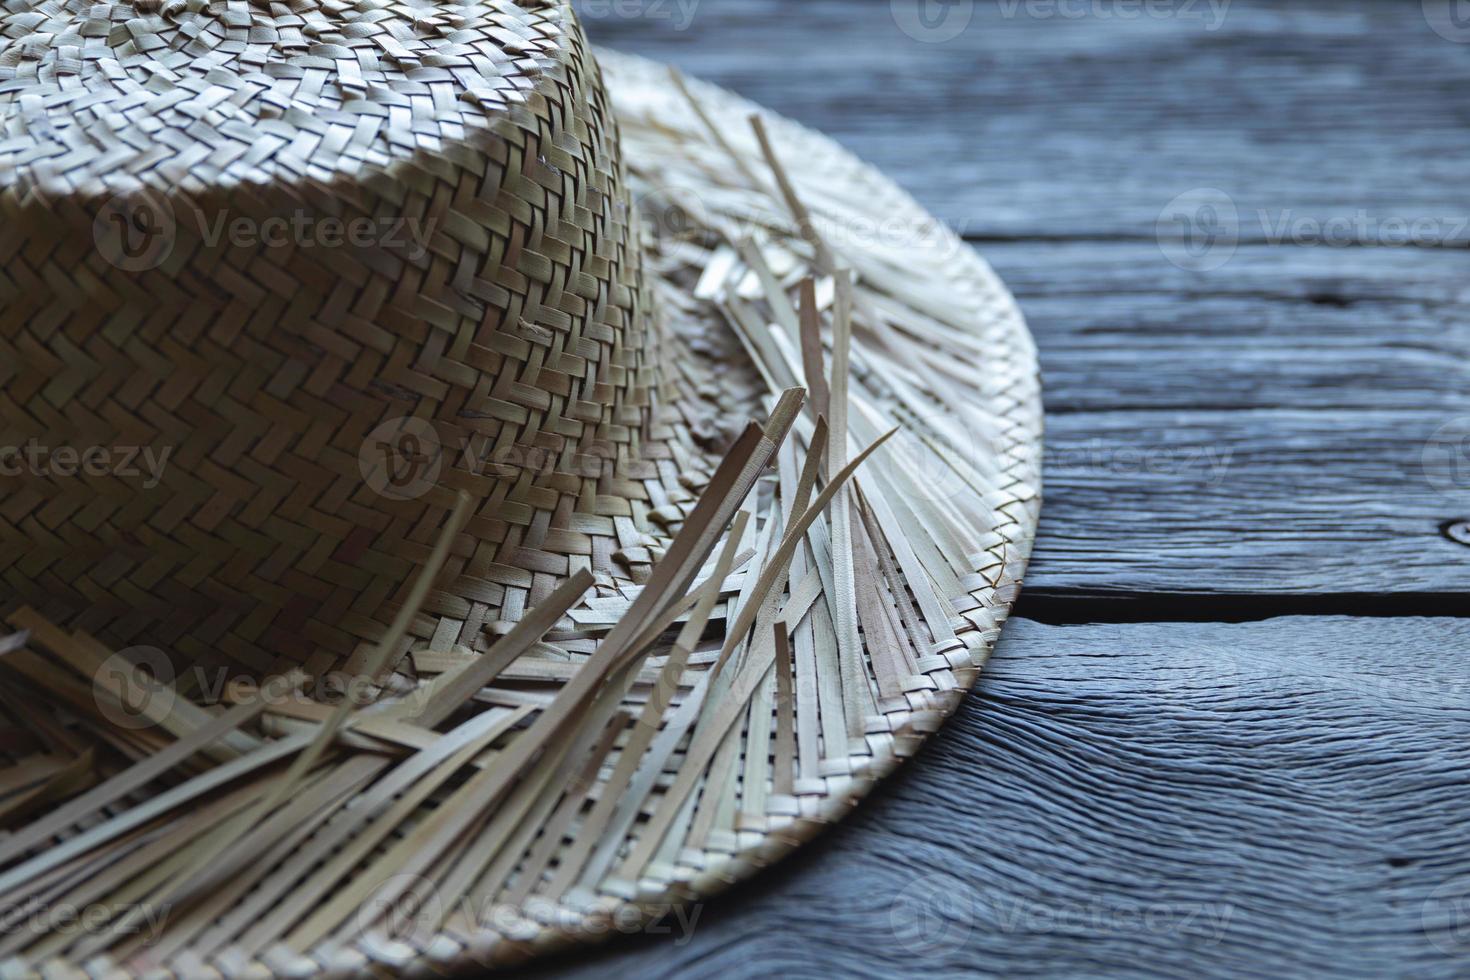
(952, 502)
(852, 647)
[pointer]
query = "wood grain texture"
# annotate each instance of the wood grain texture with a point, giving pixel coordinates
(1267, 501)
(1282, 798)
(1087, 126)
(1319, 329)
(1306, 774)
(1284, 424)
(1257, 428)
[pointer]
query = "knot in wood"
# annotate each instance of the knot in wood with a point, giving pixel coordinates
(1458, 532)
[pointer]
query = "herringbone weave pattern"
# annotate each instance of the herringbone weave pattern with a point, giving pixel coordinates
(613, 646)
(498, 301)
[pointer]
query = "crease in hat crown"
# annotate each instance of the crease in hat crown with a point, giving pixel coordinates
(511, 351)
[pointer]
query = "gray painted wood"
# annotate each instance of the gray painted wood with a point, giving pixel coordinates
(1031, 123)
(1256, 427)
(1263, 501)
(1293, 422)
(1321, 329)
(1281, 798)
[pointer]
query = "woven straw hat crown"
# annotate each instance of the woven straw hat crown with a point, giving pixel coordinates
(317, 266)
(345, 269)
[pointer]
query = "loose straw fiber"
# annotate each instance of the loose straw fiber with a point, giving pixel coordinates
(623, 652)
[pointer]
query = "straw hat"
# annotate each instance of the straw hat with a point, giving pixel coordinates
(392, 578)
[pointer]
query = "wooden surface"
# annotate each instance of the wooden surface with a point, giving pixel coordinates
(1278, 798)
(1227, 735)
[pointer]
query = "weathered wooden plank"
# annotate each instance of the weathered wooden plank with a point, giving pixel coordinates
(1295, 421)
(1280, 798)
(1262, 502)
(1273, 798)
(1287, 395)
(1085, 118)
(1355, 329)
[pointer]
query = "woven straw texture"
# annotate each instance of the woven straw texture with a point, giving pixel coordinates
(496, 306)
(625, 650)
